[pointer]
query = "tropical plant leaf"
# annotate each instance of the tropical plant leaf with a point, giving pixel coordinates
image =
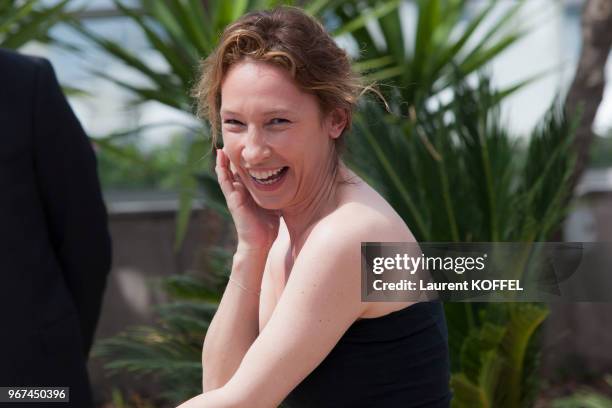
(25, 21)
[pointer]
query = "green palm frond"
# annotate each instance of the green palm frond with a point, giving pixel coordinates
(183, 32)
(24, 21)
(173, 359)
(454, 173)
(422, 65)
(171, 349)
(459, 159)
(493, 357)
(585, 398)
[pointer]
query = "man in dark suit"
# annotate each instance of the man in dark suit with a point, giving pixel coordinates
(55, 251)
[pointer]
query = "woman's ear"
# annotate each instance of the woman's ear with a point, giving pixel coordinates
(337, 122)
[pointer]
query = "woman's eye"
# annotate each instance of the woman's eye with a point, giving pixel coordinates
(278, 121)
(232, 122)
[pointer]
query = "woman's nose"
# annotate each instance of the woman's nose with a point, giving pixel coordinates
(255, 148)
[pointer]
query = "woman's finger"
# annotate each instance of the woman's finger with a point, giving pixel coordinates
(228, 165)
(223, 174)
(233, 168)
(238, 186)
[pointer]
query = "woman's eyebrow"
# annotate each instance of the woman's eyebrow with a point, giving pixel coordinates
(270, 112)
(278, 111)
(227, 112)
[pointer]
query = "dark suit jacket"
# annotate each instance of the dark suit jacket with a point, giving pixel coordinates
(55, 249)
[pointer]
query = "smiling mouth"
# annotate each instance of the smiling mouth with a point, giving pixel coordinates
(272, 178)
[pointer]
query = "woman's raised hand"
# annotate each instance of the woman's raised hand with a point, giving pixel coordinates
(256, 227)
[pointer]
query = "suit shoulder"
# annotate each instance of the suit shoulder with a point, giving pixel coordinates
(21, 60)
(19, 67)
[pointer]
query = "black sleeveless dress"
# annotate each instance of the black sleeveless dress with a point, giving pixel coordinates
(399, 360)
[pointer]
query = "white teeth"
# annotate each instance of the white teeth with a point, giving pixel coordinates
(264, 174)
(267, 181)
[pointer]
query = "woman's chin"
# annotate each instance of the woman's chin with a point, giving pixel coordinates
(269, 204)
(271, 207)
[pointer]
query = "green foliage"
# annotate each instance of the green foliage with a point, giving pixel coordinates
(493, 355)
(454, 173)
(22, 21)
(585, 398)
(183, 32)
(171, 350)
(152, 169)
(134, 400)
(601, 152)
(422, 66)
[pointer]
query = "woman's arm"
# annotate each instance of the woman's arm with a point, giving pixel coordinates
(236, 322)
(321, 300)
(235, 325)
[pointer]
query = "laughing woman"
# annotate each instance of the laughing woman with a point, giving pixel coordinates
(291, 327)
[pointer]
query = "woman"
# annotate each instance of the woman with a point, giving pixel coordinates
(291, 327)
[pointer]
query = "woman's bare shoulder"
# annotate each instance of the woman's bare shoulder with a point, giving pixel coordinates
(361, 208)
(363, 215)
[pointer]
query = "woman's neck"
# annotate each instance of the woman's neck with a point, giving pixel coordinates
(301, 217)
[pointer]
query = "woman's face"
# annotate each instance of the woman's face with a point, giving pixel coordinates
(273, 134)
